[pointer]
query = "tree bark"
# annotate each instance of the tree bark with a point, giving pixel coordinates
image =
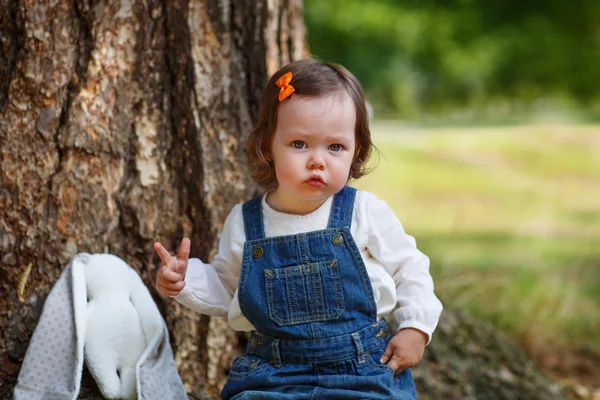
(124, 122)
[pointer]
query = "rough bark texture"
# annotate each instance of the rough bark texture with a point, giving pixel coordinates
(123, 122)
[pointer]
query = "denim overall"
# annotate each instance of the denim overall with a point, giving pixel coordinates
(310, 298)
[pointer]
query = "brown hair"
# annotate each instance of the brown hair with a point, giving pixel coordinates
(310, 78)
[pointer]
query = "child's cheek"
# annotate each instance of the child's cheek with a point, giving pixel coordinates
(285, 172)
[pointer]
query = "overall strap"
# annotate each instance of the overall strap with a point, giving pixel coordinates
(253, 221)
(341, 209)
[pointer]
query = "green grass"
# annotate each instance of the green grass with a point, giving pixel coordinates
(510, 217)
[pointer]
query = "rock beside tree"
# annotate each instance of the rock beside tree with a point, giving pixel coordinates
(469, 359)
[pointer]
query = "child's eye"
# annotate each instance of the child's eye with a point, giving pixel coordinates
(298, 144)
(335, 147)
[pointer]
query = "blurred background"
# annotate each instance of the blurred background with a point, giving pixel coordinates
(485, 116)
(465, 60)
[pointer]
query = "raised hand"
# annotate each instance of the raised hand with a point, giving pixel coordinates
(171, 274)
(405, 349)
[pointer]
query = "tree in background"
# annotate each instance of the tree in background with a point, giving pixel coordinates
(122, 123)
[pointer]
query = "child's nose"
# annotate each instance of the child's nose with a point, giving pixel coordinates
(316, 161)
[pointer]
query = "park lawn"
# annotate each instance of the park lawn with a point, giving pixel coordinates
(510, 217)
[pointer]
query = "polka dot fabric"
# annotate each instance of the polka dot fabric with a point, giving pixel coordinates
(53, 363)
(49, 368)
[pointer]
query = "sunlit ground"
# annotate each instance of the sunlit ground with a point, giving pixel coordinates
(510, 218)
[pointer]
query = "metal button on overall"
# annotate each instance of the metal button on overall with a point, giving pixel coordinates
(383, 332)
(337, 240)
(257, 251)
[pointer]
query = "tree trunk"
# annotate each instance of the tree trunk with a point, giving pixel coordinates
(124, 122)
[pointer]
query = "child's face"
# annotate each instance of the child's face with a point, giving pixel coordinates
(313, 147)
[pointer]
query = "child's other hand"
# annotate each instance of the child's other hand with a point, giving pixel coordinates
(171, 274)
(405, 349)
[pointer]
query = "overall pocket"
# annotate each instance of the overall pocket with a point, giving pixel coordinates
(245, 365)
(304, 293)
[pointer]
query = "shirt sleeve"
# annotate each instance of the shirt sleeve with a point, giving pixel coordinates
(417, 306)
(209, 288)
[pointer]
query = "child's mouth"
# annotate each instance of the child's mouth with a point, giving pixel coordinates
(315, 182)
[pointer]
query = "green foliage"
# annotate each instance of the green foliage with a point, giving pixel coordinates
(436, 57)
(509, 217)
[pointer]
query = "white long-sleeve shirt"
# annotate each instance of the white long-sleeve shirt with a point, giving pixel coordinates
(399, 272)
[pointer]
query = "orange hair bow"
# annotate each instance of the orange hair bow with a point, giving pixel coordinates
(284, 84)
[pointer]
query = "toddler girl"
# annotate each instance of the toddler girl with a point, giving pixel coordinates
(338, 299)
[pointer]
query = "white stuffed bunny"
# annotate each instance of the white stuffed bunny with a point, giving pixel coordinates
(122, 319)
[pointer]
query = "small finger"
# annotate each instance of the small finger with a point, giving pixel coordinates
(398, 364)
(184, 250)
(393, 364)
(169, 275)
(162, 253)
(174, 286)
(167, 291)
(162, 290)
(386, 354)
